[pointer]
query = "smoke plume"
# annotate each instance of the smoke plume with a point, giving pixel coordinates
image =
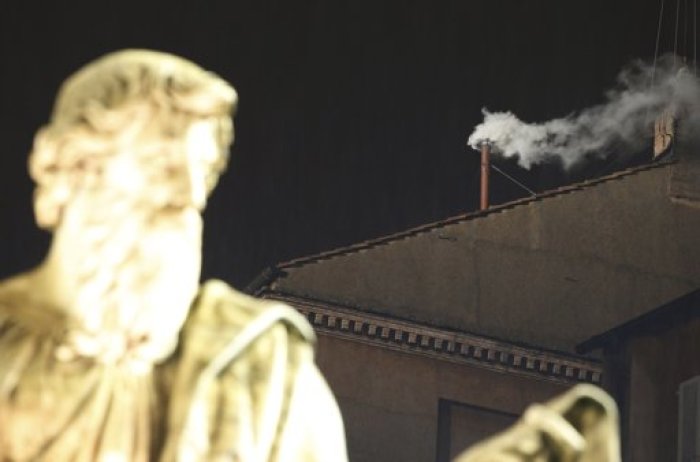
(624, 121)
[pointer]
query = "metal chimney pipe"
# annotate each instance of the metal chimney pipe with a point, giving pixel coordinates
(485, 167)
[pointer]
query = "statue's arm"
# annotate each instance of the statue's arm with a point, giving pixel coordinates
(313, 429)
(580, 425)
(247, 387)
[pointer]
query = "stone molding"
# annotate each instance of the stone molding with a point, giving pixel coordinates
(415, 338)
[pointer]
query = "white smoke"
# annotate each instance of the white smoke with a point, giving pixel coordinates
(624, 121)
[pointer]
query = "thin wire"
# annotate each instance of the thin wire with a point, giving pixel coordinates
(695, 37)
(532, 193)
(686, 51)
(656, 57)
(675, 33)
(656, 48)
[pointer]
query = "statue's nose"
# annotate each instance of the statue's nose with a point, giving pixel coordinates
(199, 151)
(187, 184)
(195, 188)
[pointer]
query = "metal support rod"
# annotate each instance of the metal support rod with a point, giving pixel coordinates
(532, 193)
(485, 154)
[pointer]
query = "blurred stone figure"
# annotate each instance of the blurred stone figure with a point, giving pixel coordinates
(110, 350)
(578, 426)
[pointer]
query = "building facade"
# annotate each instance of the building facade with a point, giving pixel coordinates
(435, 337)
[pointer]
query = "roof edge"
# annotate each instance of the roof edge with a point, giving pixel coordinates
(263, 280)
(679, 310)
(364, 245)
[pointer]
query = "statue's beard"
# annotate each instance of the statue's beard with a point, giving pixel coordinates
(138, 274)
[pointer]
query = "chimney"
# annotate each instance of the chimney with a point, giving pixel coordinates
(485, 166)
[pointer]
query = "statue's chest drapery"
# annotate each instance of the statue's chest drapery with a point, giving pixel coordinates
(75, 410)
(224, 394)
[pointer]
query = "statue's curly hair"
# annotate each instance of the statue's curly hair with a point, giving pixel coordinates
(107, 102)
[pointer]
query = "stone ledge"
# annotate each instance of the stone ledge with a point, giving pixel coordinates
(415, 338)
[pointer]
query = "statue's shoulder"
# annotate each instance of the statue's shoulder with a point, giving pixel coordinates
(224, 311)
(20, 307)
(252, 359)
(14, 291)
(12, 295)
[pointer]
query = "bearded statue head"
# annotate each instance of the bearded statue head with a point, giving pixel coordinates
(132, 100)
(135, 144)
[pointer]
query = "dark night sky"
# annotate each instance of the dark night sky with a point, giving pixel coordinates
(353, 114)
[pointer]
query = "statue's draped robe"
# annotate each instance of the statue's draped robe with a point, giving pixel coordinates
(241, 386)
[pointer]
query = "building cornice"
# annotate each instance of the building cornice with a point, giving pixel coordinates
(442, 344)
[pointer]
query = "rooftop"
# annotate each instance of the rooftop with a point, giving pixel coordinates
(548, 271)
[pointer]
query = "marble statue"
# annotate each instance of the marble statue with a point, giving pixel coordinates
(581, 425)
(110, 350)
